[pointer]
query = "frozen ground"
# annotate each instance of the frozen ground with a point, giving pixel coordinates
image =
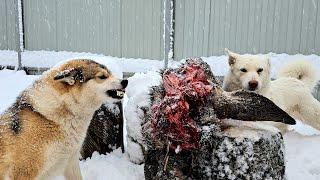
(302, 144)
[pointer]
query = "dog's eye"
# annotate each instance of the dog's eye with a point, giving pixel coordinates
(103, 77)
(260, 70)
(243, 70)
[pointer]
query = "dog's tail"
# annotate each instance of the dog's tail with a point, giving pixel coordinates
(302, 70)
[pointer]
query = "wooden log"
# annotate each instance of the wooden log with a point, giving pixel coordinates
(105, 131)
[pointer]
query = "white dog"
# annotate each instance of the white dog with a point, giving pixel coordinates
(291, 91)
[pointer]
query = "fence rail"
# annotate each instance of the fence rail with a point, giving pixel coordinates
(127, 28)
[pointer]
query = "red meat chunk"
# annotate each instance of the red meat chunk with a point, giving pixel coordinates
(171, 120)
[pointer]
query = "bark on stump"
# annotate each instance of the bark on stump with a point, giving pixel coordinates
(235, 153)
(105, 131)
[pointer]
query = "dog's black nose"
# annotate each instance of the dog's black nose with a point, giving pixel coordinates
(124, 83)
(253, 84)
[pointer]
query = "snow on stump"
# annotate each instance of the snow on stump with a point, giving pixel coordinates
(105, 131)
(187, 133)
(136, 101)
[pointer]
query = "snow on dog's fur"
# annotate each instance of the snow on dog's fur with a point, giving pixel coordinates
(42, 132)
(291, 91)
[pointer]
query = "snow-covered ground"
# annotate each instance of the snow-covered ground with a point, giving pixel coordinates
(218, 63)
(51, 58)
(302, 144)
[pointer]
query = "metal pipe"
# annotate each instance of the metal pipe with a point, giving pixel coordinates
(168, 31)
(19, 31)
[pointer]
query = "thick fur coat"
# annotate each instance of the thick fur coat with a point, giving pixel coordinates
(42, 133)
(291, 91)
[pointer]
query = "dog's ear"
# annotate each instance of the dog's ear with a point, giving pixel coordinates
(70, 76)
(232, 56)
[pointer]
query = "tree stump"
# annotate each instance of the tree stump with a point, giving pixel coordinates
(105, 131)
(235, 153)
(190, 131)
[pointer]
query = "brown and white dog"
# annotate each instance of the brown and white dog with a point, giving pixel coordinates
(291, 91)
(42, 132)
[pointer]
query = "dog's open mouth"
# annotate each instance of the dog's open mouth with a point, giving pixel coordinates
(116, 93)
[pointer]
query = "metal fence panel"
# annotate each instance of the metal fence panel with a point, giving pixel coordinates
(128, 28)
(7, 25)
(142, 29)
(122, 28)
(3, 26)
(246, 26)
